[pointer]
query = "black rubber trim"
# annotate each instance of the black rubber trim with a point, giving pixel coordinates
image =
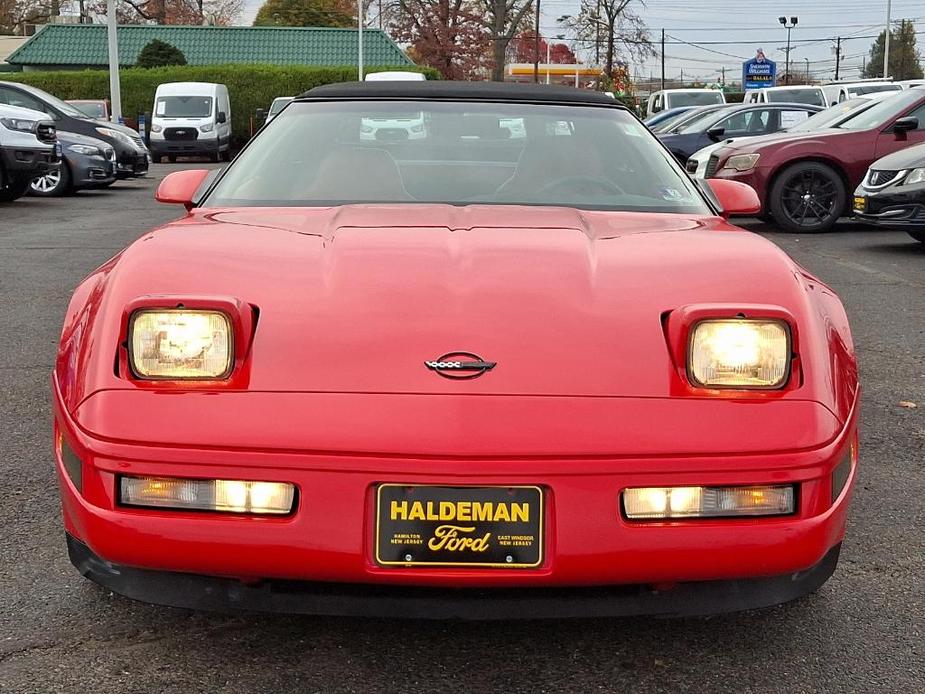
(197, 592)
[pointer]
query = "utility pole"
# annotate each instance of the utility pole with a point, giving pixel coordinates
(837, 56)
(682, 77)
(115, 87)
(724, 75)
(663, 58)
(597, 36)
(886, 41)
(359, 40)
(536, 47)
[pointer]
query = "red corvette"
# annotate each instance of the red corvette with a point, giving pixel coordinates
(455, 350)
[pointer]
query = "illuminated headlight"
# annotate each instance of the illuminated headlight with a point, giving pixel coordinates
(180, 344)
(655, 503)
(742, 162)
(739, 353)
(915, 176)
(228, 496)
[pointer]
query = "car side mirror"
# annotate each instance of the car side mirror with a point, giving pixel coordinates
(903, 125)
(261, 114)
(221, 118)
(180, 187)
(716, 134)
(735, 198)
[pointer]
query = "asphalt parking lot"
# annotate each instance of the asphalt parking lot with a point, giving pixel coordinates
(861, 632)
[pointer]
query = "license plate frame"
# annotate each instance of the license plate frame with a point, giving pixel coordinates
(512, 536)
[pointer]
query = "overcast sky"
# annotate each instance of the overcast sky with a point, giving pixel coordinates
(730, 31)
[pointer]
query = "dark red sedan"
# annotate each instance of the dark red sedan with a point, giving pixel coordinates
(804, 179)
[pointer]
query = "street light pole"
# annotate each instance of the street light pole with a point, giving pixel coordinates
(886, 41)
(808, 80)
(536, 46)
(788, 27)
(115, 88)
(359, 40)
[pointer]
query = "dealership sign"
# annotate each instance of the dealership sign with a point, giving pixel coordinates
(758, 72)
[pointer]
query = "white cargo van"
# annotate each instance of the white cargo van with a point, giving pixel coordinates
(672, 98)
(191, 119)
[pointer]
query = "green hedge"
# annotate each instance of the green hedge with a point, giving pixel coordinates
(249, 86)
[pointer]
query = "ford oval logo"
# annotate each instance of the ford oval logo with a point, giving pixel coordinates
(460, 366)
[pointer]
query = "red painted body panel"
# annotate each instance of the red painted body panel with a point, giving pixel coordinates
(588, 396)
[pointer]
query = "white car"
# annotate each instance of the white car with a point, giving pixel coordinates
(672, 98)
(838, 92)
(793, 95)
(28, 148)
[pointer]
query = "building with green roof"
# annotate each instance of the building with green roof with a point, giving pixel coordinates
(81, 46)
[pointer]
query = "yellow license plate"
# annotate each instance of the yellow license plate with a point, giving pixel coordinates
(860, 203)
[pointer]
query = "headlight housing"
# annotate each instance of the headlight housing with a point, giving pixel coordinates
(115, 134)
(20, 124)
(915, 176)
(742, 162)
(739, 353)
(206, 127)
(155, 128)
(180, 344)
(88, 150)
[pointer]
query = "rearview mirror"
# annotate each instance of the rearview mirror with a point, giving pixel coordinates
(221, 118)
(180, 187)
(905, 124)
(716, 133)
(735, 198)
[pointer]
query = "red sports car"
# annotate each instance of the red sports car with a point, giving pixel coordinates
(516, 365)
(805, 179)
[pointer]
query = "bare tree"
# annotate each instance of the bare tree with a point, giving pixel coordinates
(504, 19)
(616, 22)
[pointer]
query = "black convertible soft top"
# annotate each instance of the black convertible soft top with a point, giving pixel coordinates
(461, 91)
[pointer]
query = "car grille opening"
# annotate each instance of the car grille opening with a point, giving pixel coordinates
(882, 178)
(181, 134)
(712, 163)
(46, 132)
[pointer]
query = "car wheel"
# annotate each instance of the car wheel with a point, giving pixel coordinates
(172, 158)
(226, 155)
(12, 189)
(808, 197)
(918, 236)
(52, 184)
(156, 158)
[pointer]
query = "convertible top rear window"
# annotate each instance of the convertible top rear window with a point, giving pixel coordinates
(456, 152)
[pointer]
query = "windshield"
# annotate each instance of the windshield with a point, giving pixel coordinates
(831, 116)
(693, 98)
(183, 106)
(278, 104)
(859, 89)
(882, 112)
(93, 109)
(458, 153)
(669, 122)
(797, 96)
(697, 123)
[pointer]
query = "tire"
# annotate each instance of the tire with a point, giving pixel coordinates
(53, 184)
(807, 197)
(917, 235)
(172, 158)
(156, 158)
(226, 155)
(12, 189)
(215, 156)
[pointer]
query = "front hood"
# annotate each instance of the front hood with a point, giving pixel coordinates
(118, 127)
(7, 111)
(909, 158)
(357, 298)
(67, 138)
(758, 144)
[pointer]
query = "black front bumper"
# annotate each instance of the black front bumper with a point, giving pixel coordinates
(132, 164)
(197, 592)
(892, 208)
(28, 161)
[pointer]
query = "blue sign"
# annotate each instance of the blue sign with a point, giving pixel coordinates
(758, 72)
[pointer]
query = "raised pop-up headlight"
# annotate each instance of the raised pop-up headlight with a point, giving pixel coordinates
(180, 344)
(229, 496)
(739, 353)
(655, 503)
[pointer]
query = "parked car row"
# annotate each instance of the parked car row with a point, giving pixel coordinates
(51, 147)
(804, 162)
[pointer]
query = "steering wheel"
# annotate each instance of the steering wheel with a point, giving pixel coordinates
(603, 184)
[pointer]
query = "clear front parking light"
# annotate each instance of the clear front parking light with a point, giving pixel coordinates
(229, 496)
(655, 503)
